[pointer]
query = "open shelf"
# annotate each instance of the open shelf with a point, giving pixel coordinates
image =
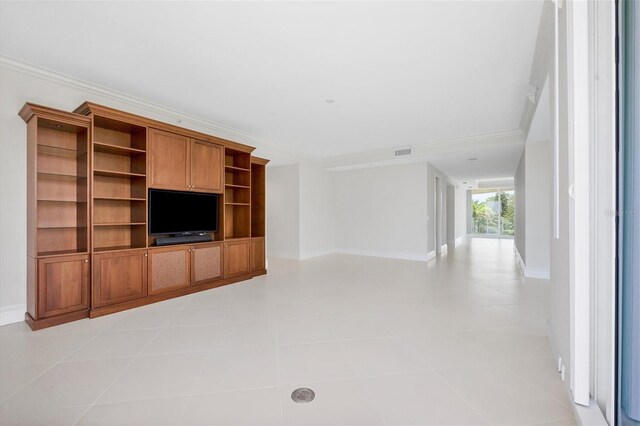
(108, 186)
(110, 173)
(58, 201)
(57, 226)
(237, 221)
(119, 185)
(61, 176)
(114, 248)
(258, 200)
(239, 169)
(108, 148)
(58, 151)
(119, 235)
(119, 211)
(235, 159)
(120, 224)
(235, 176)
(237, 194)
(129, 162)
(119, 198)
(110, 132)
(61, 188)
(62, 240)
(234, 195)
(61, 214)
(61, 253)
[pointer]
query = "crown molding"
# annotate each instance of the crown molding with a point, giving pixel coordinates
(284, 154)
(423, 151)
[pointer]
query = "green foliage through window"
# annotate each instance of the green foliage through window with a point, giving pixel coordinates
(495, 214)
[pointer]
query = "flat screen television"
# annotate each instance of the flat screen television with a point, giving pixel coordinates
(182, 212)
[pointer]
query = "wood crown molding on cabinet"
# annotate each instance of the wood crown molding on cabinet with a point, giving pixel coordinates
(102, 110)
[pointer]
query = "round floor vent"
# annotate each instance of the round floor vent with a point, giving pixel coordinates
(303, 395)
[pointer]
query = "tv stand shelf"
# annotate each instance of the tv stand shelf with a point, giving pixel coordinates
(89, 249)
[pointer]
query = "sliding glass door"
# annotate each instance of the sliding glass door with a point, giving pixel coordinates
(493, 212)
(629, 223)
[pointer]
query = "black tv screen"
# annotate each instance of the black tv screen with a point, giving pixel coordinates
(181, 212)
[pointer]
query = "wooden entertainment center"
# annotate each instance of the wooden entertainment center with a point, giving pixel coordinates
(89, 172)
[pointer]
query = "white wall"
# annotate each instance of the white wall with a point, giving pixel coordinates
(316, 211)
(432, 173)
(283, 211)
(382, 211)
(300, 217)
(559, 324)
(520, 187)
(451, 214)
(469, 213)
(462, 211)
(537, 205)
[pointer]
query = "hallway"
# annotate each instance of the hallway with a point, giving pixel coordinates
(459, 340)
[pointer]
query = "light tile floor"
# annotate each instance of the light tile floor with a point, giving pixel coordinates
(456, 341)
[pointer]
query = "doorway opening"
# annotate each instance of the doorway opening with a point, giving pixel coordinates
(438, 212)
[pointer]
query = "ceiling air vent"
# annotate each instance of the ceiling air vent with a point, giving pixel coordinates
(399, 152)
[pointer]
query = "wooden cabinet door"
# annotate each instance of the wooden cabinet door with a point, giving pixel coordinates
(169, 268)
(257, 255)
(118, 277)
(206, 263)
(236, 258)
(63, 285)
(206, 166)
(168, 160)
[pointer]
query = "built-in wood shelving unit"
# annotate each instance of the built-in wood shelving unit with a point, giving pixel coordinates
(120, 187)
(89, 250)
(237, 194)
(61, 187)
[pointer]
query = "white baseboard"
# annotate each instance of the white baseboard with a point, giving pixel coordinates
(285, 255)
(530, 271)
(519, 260)
(431, 255)
(316, 253)
(460, 239)
(418, 256)
(587, 416)
(539, 273)
(12, 314)
(444, 248)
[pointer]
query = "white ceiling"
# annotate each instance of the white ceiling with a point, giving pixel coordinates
(400, 73)
(493, 162)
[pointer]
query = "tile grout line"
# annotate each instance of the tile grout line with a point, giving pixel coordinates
(123, 370)
(60, 361)
(437, 374)
(279, 370)
(355, 370)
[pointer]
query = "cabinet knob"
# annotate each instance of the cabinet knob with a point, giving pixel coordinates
(86, 261)
(145, 255)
